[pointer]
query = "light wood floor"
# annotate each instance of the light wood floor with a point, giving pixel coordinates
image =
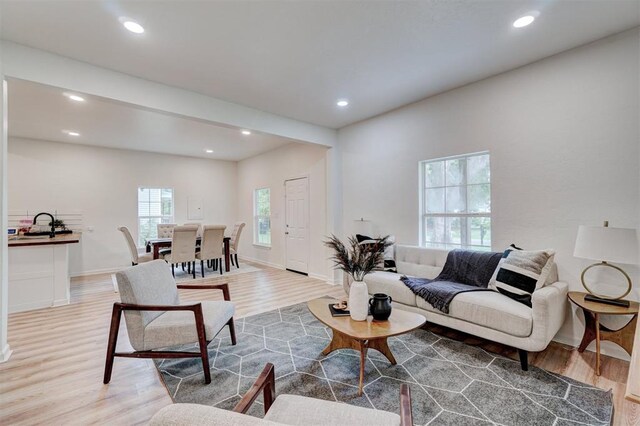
(55, 373)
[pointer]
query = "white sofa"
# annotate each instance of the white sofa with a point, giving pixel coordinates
(486, 314)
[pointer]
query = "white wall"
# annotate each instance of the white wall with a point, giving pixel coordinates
(102, 183)
(270, 170)
(564, 139)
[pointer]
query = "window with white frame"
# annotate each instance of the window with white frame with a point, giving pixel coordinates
(456, 202)
(155, 206)
(262, 217)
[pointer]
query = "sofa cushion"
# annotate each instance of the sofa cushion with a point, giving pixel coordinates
(489, 309)
(299, 410)
(389, 283)
(420, 262)
(418, 271)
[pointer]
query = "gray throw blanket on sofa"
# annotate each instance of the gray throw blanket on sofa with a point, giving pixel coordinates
(464, 271)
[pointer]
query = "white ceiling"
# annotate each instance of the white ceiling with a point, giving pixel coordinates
(42, 112)
(297, 58)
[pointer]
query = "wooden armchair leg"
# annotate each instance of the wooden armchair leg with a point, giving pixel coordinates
(111, 346)
(406, 417)
(237, 264)
(202, 267)
(202, 342)
(220, 264)
(232, 331)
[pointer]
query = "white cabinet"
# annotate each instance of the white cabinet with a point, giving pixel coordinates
(38, 276)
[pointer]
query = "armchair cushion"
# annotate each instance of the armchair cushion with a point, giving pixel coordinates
(179, 327)
(302, 411)
(195, 414)
(148, 284)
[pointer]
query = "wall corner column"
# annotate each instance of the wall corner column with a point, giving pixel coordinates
(334, 207)
(5, 350)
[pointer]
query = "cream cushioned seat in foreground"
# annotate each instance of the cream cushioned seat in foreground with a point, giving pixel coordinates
(291, 410)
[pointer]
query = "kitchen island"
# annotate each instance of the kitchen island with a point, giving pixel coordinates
(39, 272)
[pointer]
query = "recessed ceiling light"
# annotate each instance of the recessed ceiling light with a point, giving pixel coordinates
(342, 103)
(208, 151)
(71, 133)
(524, 21)
(74, 97)
(246, 132)
(132, 26)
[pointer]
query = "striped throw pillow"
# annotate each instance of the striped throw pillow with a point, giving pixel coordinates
(521, 272)
(389, 263)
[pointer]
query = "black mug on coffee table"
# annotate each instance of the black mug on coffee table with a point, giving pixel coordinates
(380, 305)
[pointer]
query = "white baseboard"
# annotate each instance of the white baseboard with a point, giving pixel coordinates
(96, 272)
(5, 353)
(261, 262)
(318, 277)
(279, 266)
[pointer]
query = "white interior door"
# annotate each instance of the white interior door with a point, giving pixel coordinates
(297, 224)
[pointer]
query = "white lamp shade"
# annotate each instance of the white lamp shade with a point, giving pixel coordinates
(619, 245)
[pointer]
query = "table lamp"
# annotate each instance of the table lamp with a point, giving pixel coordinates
(619, 245)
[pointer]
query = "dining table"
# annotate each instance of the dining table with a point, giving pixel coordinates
(156, 244)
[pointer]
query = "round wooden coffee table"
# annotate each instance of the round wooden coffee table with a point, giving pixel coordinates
(363, 335)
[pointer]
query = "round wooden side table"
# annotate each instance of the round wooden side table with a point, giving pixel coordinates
(593, 330)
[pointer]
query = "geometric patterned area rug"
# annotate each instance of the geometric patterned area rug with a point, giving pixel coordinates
(451, 383)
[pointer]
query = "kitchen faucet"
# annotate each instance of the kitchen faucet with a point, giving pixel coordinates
(53, 226)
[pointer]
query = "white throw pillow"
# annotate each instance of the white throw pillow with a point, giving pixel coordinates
(521, 272)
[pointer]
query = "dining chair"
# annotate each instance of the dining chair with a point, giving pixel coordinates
(156, 320)
(133, 249)
(199, 225)
(211, 248)
(233, 242)
(165, 230)
(183, 248)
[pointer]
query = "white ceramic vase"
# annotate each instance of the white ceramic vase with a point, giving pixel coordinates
(358, 301)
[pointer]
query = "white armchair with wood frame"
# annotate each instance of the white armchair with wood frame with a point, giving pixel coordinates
(156, 320)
